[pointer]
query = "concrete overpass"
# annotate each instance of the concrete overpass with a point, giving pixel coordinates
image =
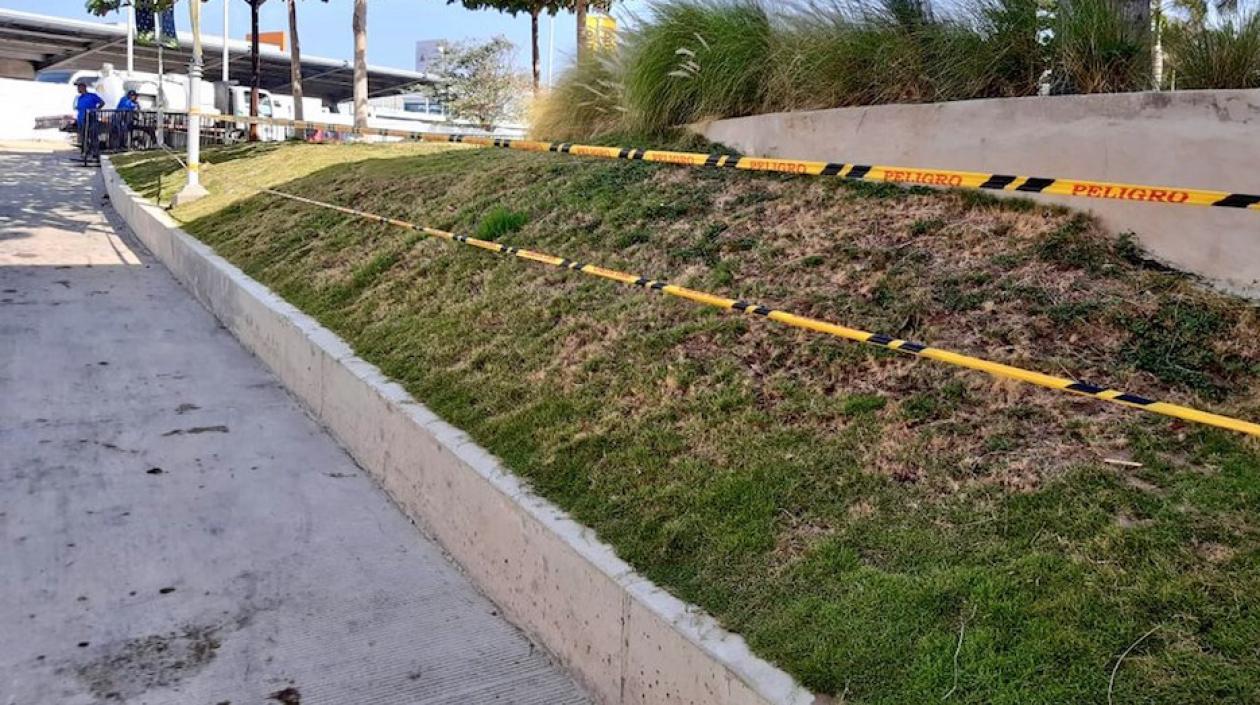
(31, 42)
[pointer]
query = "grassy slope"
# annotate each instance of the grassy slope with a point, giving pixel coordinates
(847, 509)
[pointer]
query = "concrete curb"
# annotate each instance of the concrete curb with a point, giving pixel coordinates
(622, 637)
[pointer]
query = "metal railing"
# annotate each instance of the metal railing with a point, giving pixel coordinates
(112, 131)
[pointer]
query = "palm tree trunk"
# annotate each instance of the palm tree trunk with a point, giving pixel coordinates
(579, 9)
(533, 43)
(295, 61)
(360, 64)
(254, 67)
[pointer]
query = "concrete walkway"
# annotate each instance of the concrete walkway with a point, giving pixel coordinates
(173, 527)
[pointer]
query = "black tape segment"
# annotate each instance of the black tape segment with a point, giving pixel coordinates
(761, 311)
(624, 153)
(832, 169)
(451, 138)
(636, 154)
(1135, 399)
(732, 162)
(1034, 184)
(998, 182)
(658, 285)
(566, 147)
(740, 305)
(553, 147)
(1084, 388)
(566, 263)
(880, 339)
(857, 172)
(1238, 200)
(712, 160)
(641, 281)
(910, 347)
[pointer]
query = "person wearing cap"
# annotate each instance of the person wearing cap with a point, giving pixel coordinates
(85, 106)
(124, 115)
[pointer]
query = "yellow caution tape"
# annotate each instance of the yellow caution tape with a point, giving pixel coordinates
(886, 341)
(911, 176)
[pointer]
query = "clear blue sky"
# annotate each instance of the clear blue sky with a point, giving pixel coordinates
(393, 26)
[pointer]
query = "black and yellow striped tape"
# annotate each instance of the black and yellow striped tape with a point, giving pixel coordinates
(994, 368)
(910, 176)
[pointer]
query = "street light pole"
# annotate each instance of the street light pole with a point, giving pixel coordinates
(193, 189)
(226, 33)
(161, 92)
(131, 38)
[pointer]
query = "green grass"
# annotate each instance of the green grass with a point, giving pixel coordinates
(500, 221)
(849, 510)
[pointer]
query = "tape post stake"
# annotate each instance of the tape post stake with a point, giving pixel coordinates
(905, 176)
(996, 369)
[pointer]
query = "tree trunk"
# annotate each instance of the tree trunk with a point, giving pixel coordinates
(579, 9)
(295, 59)
(255, 69)
(533, 43)
(360, 64)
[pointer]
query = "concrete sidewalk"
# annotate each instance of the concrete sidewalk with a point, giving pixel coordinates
(173, 527)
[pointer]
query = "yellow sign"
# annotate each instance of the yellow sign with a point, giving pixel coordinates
(601, 33)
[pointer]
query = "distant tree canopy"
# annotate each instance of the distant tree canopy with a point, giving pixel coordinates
(100, 8)
(514, 7)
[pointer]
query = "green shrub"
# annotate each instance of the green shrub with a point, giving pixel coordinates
(691, 60)
(1099, 48)
(696, 59)
(1016, 57)
(1226, 56)
(586, 102)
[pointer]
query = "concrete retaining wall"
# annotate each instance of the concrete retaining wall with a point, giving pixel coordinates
(1196, 139)
(626, 640)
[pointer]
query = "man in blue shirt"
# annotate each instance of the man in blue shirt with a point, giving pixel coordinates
(85, 107)
(121, 121)
(128, 102)
(85, 102)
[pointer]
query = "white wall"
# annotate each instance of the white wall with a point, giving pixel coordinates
(24, 101)
(1194, 139)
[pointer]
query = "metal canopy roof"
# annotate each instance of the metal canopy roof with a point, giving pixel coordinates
(55, 42)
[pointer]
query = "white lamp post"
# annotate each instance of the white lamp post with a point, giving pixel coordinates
(193, 189)
(226, 33)
(131, 38)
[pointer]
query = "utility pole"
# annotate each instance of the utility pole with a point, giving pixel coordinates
(193, 189)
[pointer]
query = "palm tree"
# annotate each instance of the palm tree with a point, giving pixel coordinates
(535, 8)
(359, 25)
(295, 62)
(579, 10)
(255, 68)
